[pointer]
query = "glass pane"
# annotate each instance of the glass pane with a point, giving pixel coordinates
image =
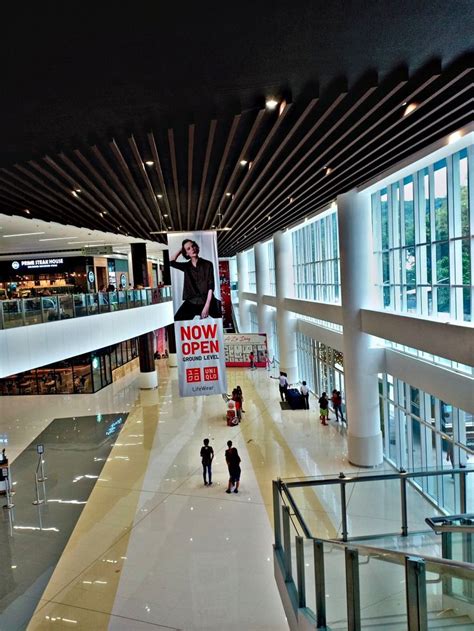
(463, 185)
(441, 200)
(409, 211)
(382, 594)
(334, 567)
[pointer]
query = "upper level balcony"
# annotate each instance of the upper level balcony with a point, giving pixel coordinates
(38, 310)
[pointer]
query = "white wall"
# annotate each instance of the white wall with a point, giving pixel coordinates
(27, 347)
(451, 340)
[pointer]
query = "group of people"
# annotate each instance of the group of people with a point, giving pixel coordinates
(336, 400)
(232, 459)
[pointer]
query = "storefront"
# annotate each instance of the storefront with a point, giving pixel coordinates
(83, 374)
(29, 276)
(35, 276)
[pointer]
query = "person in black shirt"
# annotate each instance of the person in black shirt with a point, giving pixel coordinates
(323, 409)
(233, 463)
(198, 287)
(207, 455)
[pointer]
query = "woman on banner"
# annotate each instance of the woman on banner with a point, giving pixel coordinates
(198, 286)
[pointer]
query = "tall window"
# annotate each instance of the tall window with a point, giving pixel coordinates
(253, 318)
(321, 366)
(421, 431)
(424, 239)
(251, 270)
(271, 267)
(316, 260)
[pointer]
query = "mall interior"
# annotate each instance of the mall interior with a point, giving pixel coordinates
(329, 149)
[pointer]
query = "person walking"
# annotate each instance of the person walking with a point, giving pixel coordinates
(305, 394)
(252, 360)
(207, 456)
(336, 399)
(237, 399)
(283, 385)
(233, 463)
(241, 395)
(323, 409)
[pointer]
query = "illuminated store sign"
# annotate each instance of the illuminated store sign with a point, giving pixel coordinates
(37, 263)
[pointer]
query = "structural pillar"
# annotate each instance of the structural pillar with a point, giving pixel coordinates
(286, 323)
(148, 375)
(360, 355)
(243, 276)
(263, 286)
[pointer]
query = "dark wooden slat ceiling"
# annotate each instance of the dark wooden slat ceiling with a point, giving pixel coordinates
(255, 172)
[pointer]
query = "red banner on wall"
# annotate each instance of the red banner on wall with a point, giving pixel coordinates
(224, 277)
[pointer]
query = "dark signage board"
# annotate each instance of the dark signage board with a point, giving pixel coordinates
(40, 266)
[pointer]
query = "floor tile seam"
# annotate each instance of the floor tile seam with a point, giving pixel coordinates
(127, 533)
(127, 488)
(108, 613)
(224, 499)
(263, 410)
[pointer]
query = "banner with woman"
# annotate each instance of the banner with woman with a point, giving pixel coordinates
(197, 313)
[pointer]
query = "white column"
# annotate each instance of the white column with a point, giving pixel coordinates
(360, 362)
(243, 279)
(263, 286)
(286, 323)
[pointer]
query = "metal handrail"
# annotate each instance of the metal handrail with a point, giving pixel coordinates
(402, 476)
(395, 475)
(446, 523)
(293, 588)
(41, 309)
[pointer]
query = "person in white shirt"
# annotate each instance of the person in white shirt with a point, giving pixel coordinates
(305, 394)
(283, 385)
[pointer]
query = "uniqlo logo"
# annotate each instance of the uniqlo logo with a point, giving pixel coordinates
(211, 373)
(193, 375)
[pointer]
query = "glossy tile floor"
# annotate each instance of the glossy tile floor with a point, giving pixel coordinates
(154, 547)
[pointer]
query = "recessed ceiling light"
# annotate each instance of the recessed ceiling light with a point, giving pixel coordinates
(74, 193)
(328, 170)
(57, 238)
(454, 136)
(228, 194)
(21, 234)
(165, 215)
(243, 163)
(271, 103)
(212, 227)
(290, 199)
(170, 228)
(159, 195)
(149, 163)
(269, 217)
(27, 211)
(411, 107)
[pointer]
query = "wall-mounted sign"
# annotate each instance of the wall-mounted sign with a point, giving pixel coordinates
(37, 263)
(91, 277)
(40, 449)
(98, 250)
(123, 280)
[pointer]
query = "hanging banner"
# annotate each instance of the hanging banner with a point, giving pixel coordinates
(197, 313)
(224, 276)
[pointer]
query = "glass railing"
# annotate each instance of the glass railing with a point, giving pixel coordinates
(327, 583)
(27, 311)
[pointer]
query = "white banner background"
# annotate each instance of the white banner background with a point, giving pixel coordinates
(199, 342)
